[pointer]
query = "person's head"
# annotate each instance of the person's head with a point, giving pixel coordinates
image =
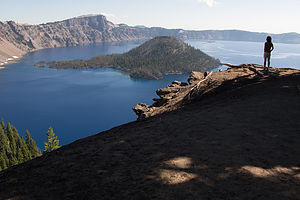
(269, 39)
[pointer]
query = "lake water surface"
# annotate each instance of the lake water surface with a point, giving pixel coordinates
(79, 103)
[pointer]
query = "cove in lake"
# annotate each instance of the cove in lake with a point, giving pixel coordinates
(82, 102)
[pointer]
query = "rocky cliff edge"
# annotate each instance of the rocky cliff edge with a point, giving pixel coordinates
(200, 85)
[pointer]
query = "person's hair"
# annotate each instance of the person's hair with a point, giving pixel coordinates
(269, 39)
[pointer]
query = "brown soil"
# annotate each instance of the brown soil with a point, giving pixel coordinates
(7, 50)
(240, 142)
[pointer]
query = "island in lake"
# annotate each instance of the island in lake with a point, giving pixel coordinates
(151, 60)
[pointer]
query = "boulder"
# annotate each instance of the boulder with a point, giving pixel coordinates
(159, 102)
(174, 83)
(184, 84)
(195, 77)
(164, 91)
(141, 108)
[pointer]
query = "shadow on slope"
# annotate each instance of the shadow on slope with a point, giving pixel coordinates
(241, 143)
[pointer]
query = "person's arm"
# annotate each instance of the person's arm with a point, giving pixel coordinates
(272, 47)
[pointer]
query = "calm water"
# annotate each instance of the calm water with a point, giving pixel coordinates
(79, 103)
(284, 55)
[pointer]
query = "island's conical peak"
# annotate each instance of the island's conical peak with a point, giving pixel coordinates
(151, 60)
(166, 44)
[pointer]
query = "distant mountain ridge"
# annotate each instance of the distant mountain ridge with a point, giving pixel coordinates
(18, 39)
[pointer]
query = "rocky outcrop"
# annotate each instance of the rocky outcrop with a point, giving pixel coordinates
(167, 96)
(170, 98)
(174, 96)
(195, 77)
(200, 85)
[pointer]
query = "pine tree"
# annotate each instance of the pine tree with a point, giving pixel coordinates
(20, 145)
(20, 156)
(16, 134)
(3, 149)
(53, 142)
(3, 163)
(33, 149)
(13, 161)
(11, 138)
(25, 151)
(6, 160)
(3, 141)
(2, 124)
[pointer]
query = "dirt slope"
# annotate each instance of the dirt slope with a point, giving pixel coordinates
(7, 50)
(241, 142)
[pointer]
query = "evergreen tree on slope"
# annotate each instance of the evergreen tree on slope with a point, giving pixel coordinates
(52, 143)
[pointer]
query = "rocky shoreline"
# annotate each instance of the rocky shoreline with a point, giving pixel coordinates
(8, 60)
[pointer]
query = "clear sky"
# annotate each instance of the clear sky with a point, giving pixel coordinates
(272, 16)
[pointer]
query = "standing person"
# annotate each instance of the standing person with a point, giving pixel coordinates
(269, 47)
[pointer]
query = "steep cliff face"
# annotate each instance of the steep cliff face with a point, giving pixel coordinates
(71, 32)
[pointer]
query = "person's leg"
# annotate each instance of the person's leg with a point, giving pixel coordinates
(265, 60)
(269, 62)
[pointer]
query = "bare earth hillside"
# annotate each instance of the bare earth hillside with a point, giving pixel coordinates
(238, 139)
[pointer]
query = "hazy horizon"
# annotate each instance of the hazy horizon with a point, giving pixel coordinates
(153, 26)
(256, 16)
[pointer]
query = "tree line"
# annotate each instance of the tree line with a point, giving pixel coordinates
(15, 149)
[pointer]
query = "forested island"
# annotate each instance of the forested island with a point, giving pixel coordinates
(151, 60)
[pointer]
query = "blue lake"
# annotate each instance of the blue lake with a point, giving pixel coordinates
(284, 55)
(79, 103)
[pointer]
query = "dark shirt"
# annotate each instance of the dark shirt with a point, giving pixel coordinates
(268, 47)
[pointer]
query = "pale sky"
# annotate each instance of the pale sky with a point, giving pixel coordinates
(272, 16)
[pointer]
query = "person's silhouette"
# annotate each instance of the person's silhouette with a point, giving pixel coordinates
(269, 47)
